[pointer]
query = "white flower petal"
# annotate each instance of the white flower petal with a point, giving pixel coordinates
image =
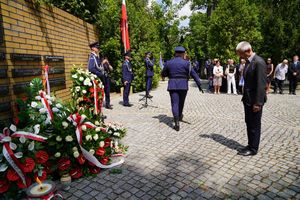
(13, 128)
(13, 146)
(31, 146)
(22, 139)
(3, 167)
(19, 155)
(36, 128)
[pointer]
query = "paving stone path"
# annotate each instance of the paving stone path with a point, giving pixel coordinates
(200, 161)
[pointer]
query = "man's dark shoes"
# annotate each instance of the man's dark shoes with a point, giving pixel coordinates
(176, 126)
(149, 96)
(127, 105)
(247, 152)
(108, 107)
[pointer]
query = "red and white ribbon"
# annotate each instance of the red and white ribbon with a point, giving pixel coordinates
(46, 69)
(46, 104)
(78, 122)
(29, 135)
(10, 156)
(96, 111)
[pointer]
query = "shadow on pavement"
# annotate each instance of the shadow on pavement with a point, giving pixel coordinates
(165, 119)
(230, 143)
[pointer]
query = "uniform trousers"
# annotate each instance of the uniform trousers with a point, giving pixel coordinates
(253, 123)
(107, 90)
(126, 93)
(177, 102)
(148, 84)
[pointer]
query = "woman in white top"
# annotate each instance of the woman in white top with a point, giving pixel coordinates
(279, 74)
(218, 74)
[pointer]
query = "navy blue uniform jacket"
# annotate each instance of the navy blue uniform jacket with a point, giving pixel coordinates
(127, 74)
(179, 71)
(149, 67)
(94, 65)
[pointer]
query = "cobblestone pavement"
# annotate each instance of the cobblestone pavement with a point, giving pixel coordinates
(200, 161)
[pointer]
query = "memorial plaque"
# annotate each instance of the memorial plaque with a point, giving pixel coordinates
(3, 73)
(5, 107)
(25, 57)
(54, 58)
(3, 90)
(20, 87)
(26, 72)
(57, 82)
(2, 56)
(56, 70)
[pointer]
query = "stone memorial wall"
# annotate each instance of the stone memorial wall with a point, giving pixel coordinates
(31, 37)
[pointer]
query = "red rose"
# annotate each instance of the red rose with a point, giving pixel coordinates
(104, 160)
(21, 184)
(12, 175)
(94, 170)
(41, 157)
(63, 164)
(4, 185)
(91, 90)
(43, 177)
(81, 159)
(107, 142)
(100, 151)
(76, 173)
(28, 165)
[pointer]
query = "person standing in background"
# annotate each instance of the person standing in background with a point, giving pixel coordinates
(107, 69)
(149, 73)
(230, 73)
(293, 75)
(127, 78)
(279, 75)
(218, 74)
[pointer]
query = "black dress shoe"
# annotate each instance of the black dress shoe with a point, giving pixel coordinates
(247, 153)
(108, 107)
(127, 105)
(244, 148)
(149, 96)
(181, 118)
(176, 126)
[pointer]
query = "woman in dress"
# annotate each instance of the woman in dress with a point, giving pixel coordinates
(269, 71)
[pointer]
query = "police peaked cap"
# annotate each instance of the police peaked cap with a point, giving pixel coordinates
(94, 44)
(128, 53)
(179, 49)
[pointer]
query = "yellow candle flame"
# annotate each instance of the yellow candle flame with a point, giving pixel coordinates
(38, 181)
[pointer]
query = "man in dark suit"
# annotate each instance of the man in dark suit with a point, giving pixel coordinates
(254, 96)
(293, 75)
(149, 73)
(127, 78)
(179, 70)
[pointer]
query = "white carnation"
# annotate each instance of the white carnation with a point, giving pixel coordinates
(43, 110)
(76, 154)
(83, 91)
(87, 82)
(96, 137)
(81, 78)
(83, 127)
(77, 88)
(88, 137)
(57, 155)
(74, 149)
(97, 123)
(98, 129)
(101, 144)
(33, 104)
(58, 138)
(65, 124)
(92, 151)
(69, 138)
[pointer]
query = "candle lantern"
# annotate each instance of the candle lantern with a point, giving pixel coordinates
(43, 191)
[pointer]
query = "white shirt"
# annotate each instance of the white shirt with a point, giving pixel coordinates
(280, 71)
(218, 71)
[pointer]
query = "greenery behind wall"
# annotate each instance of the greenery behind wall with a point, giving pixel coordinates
(216, 27)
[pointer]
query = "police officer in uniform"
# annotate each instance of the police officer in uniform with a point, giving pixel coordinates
(95, 66)
(149, 73)
(127, 78)
(178, 71)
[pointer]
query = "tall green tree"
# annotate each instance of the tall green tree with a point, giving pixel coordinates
(233, 21)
